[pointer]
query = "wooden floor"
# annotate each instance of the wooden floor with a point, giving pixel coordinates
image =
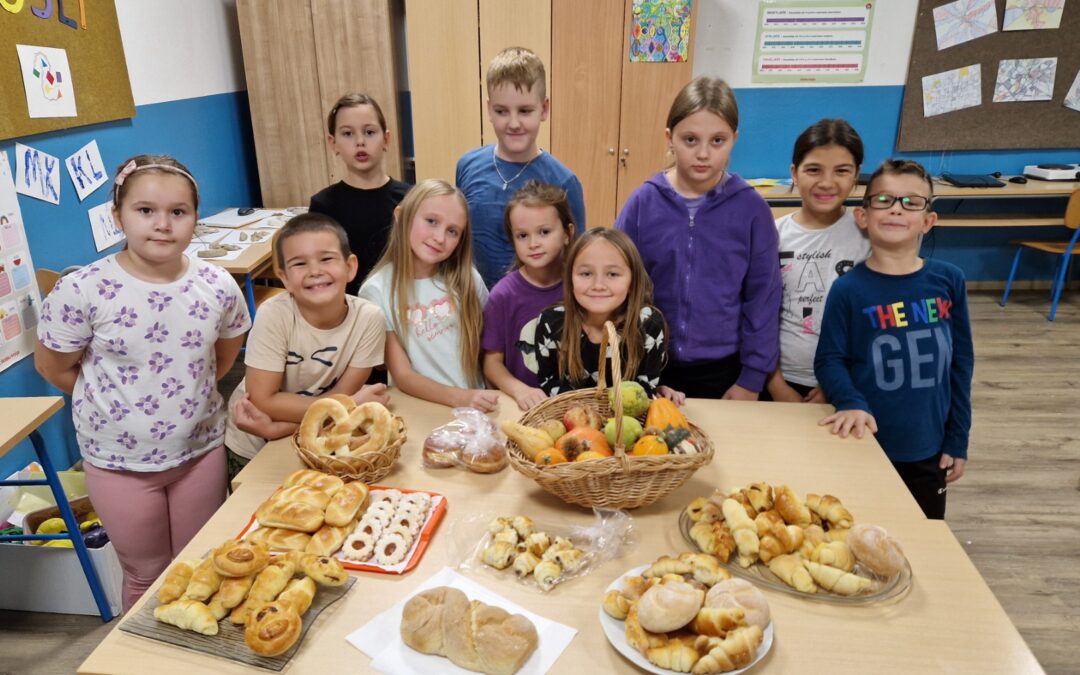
(1017, 512)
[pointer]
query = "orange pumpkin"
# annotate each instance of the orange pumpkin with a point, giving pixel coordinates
(590, 454)
(663, 413)
(549, 456)
(583, 439)
(649, 445)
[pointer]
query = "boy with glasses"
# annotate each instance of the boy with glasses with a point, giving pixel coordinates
(895, 354)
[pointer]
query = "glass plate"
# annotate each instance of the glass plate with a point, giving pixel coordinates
(615, 632)
(881, 590)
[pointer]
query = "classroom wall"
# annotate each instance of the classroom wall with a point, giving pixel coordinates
(183, 59)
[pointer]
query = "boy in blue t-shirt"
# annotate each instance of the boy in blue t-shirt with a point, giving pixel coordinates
(491, 174)
(895, 354)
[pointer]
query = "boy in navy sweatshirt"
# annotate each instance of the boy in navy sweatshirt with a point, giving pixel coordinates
(895, 354)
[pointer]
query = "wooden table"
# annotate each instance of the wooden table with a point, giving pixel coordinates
(951, 220)
(948, 621)
(255, 259)
(1032, 188)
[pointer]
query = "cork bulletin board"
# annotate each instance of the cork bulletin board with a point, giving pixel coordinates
(88, 32)
(989, 125)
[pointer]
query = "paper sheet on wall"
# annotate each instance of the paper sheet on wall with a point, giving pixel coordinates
(47, 82)
(37, 174)
(822, 41)
(1072, 99)
(1025, 80)
(964, 20)
(952, 90)
(660, 30)
(1032, 14)
(106, 232)
(86, 169)
(19, 298)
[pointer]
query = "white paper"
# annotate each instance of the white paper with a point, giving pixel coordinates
(1032, 14)
(1025, 80)
(964, 20)
(86, 169)
(380, 638)
(1072, 99)
(952, 90)
(106, 232)
(230, 218)
(37, 174)
(18, 287)
(47, 81)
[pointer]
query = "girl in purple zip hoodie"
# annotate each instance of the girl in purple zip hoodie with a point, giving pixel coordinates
(710, 246)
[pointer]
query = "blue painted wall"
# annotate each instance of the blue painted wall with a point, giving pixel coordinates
(211, 135)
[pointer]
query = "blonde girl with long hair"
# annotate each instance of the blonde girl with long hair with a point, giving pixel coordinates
(433, 299)
(604, 281)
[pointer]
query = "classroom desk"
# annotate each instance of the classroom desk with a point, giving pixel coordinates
(951, 220)
(1033, 188)
(252, 261)
(948, 621)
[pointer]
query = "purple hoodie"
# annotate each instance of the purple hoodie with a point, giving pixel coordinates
(716, 276)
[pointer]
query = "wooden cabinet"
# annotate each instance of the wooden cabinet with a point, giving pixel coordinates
(300, 56)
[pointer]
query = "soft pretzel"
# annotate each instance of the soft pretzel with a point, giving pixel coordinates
(311, 427)
(371, 418)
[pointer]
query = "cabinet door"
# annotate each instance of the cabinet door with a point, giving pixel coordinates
(647, 92)
(283, 90)
(586, 62)
(354, 49)
(444, 78)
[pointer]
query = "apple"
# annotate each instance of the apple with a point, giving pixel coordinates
(581, 416)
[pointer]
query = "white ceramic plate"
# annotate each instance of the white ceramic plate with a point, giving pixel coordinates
(615, 631)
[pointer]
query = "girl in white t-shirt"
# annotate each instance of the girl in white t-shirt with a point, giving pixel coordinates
(433, 299)
(140, 339)
(818, 243)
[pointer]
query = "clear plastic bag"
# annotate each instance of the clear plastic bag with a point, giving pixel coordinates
(470, 440)
(599, 542)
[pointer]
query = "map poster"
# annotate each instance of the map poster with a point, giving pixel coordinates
(19, 299)
(799, 41)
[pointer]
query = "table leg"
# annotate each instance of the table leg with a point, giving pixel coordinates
(249, 291)
(72, 526)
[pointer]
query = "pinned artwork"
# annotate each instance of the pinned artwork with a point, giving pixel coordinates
(1072, 99)
(964, 20)
(952, 90)
(47, 82)
(37, 174)
(660, 30)
(1025, 80)
(5, 282)
(10, 231)
(106, 232)
(20, 271)
(10, 325)
(86, 170)
(18, 287)
(29, 308)
(1032, 14)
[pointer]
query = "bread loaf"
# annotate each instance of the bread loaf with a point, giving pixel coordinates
(290, 515)
(302, 493)
(316, 479)
(280, 539)
(343, 507)
(472, 635)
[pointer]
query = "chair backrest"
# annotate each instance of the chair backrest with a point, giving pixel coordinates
(46, 279)
(1072, 211)
(273, 252)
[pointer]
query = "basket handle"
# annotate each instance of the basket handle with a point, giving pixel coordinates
(610, 336)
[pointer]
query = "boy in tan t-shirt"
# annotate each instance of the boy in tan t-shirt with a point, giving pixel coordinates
(313, 341)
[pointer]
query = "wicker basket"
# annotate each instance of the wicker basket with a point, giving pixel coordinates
(366, 468)
(619, 481)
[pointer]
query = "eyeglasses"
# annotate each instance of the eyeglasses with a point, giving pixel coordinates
(908, 203)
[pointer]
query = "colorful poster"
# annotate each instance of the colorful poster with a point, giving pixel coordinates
(86, 169)
(47, 81)
(660, 30)
(1025, 80)
(816, 41)
(952, 90)
(18, 287)
(37, 174)
(1072, 99)
(1032, 14)
(964, 20)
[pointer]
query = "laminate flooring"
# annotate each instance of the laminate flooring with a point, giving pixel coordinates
(1016, 512)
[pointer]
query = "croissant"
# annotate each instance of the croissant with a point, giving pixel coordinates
(498, 554)
(718, 621)
(744, 531)
(547, 574)
(231, 593)
(667, 565)
(790, 570)
(831, 510)
(204, 581)
(695, 509)
(616, 605)
(523, 525)
(299, 594)
(571, 560)
(714, 538)
(760, 496)
(835, 554)
(176, 581)
(188, 614)
(537, 542)
(735, 651)
(633, 587)
(790, 507)
(674, 655)
(837, 580)
(271, 581)
(837, 534)
(508, 535)
(641, 639)
(525, 563)
(323, 570)
(705, 568)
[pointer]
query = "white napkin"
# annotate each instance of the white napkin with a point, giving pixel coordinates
(380, 638)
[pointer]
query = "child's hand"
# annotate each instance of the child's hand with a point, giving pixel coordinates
(737, 393)
(529, 397)
(855, 422)
(784, 393)
(676, 397)
(485, 400)
(954, 467)
(816, 395)
(247, 417)
(372, 392)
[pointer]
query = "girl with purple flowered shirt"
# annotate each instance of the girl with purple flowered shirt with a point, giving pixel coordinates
(139, 339)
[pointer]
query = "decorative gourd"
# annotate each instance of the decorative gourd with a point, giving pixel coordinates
(649, 445)
(582, 439)
(530, 439)
(679, 441)
(549, 456)
(663, 414)
(590, 454)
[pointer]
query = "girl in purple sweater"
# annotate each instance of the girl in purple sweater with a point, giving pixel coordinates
(710, 246)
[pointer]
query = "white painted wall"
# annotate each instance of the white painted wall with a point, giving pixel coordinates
(179, 49)
(727, 29)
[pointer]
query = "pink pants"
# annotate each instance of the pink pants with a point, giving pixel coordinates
(151, 516)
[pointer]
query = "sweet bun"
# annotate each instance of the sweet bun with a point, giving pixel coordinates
(487, 460)
(669, 606)
(740, 593)
(876, 550)
(240, 558)
(272, 628)
(442, 451)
